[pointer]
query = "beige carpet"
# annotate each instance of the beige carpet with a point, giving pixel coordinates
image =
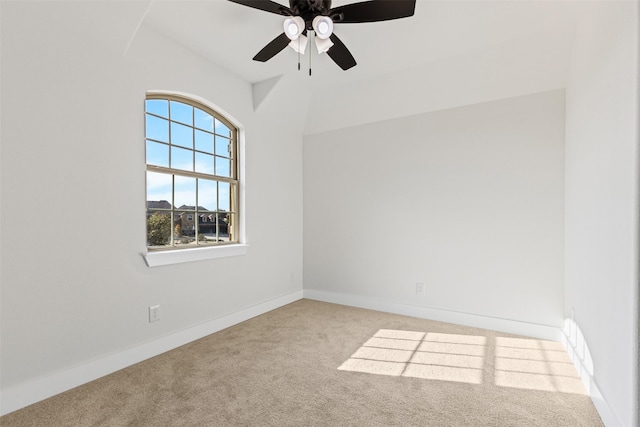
(317, 364)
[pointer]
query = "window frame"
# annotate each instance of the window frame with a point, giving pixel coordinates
(170, 254)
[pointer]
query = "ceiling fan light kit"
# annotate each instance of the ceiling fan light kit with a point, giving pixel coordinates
(318, 16)
(299, 44)
(323, 27)
(293, 27)
(323, 45)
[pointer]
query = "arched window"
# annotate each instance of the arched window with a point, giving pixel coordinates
(192, 173)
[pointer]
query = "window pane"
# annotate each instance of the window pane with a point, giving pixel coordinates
(181, 159)
(204, 163)
(182, 112)
(159, 190)
(222, 147)
(158, 228)
(208, 194)
(158, 107)
(157, 128)
(157, 154)
(204, 141)
(224, 196)
(181, 135)
(185, 192)
(222, 129)
(184, 226)
(224, 225)
(203, 120)
(207, 228)
(223, 166)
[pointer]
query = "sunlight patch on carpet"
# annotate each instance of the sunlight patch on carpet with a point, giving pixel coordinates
(445, 357)
(535, 365)
(527, 364)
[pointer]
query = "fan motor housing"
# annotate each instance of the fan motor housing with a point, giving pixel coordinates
(309, 9)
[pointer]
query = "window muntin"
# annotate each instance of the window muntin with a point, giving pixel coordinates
(192, 175)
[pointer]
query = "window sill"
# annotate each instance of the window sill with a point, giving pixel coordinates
(159, 258)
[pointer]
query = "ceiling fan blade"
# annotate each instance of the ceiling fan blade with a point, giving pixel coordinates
(340, 54)
(373, 11)
(266, 5)
(272, 48)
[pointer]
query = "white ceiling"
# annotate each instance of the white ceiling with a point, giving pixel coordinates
(450, 53)
(230, 35)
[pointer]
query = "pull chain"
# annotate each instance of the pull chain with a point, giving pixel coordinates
(310, 52)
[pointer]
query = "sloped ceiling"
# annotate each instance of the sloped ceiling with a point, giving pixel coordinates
(450, 53)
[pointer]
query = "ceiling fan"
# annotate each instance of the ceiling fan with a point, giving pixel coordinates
(318, 16)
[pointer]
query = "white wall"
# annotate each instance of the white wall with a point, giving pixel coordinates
(74, 286)
(467, 200)
(601, 280)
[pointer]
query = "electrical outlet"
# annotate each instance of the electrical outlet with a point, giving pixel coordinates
(420, 290)
(154, 313)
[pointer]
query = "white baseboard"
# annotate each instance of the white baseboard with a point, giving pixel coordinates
(576, 346)
(25, 394)
(609, 417)
(496, 324)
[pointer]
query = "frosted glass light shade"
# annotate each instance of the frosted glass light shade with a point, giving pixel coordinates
(300, 44)
(323, 45)
(293, 27)
(323, 27)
